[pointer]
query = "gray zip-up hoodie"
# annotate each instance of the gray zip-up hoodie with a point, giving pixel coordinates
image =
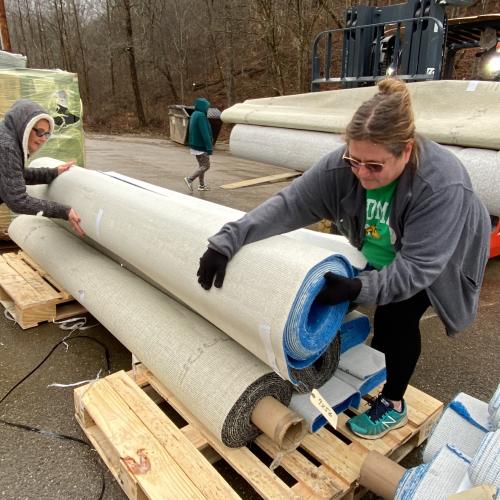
(442, 229)
(14, 134)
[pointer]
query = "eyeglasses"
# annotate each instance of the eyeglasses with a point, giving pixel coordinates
(41, 133)
(371, 166)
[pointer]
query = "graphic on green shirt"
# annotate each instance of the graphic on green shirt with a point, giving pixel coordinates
(379, 236)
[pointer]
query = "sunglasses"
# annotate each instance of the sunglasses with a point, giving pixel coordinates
(41, 133)
(371, 166)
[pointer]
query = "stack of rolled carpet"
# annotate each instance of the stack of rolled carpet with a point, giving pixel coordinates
(220, 352)
(462, 452)
(298, 130)
(360, 370)
(461, 458)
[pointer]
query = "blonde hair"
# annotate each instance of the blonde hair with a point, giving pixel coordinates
(386, 119)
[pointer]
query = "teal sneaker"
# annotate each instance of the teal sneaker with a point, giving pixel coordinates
(378, 420)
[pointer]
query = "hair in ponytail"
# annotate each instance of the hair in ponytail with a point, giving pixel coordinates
(386, 119)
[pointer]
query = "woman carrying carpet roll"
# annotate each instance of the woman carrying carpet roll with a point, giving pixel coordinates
(24, 130)
(408, 205)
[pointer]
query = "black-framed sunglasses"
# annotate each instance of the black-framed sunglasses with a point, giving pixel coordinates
(371, 166)
(42, 133)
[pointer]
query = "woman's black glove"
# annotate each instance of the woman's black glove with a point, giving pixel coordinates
(212, 264)
(338, 289)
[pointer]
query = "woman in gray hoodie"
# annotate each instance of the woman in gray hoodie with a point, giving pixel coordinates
(408, 205)
(25, 129)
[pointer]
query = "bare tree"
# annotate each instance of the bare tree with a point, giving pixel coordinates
(82, 51)
(132, 63)
(272, 32)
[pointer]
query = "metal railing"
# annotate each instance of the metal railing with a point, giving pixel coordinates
(411, 48)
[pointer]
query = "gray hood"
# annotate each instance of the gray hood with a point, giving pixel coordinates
(21, 118)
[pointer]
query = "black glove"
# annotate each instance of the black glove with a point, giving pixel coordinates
(338, 289)
(212, 264)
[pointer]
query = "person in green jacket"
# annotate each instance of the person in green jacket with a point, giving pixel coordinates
(200, 143)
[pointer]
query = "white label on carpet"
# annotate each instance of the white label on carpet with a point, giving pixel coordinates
(472, 86)
(265, 336)
(98, 222)
(319, 402)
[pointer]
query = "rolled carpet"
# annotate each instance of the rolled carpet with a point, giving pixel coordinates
(463, 424)
(437, 479)
(337, 393)
(494, 410)
(216, 379)
(354, 330)
(321, 370)
(485, 464)
(267, 303)
(473, 123)
(309, 146)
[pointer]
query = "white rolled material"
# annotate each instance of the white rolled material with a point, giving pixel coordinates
(494, 410)
(335, 243)
(437, 479)
(301, 149)
(463, 424)
(216, 379)
(273, 145)
(485, 465)
(267, 301)
(473, 123)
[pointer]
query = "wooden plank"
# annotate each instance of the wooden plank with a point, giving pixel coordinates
(24, 285)
(344, 460)
(315, 481)
(28, 295)
(44, 290)
(140, 454)
(64, 295)
(263, 480)
(207, 479)
(268, 179)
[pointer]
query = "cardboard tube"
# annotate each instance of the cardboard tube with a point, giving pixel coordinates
(381, 475)
(279, 423)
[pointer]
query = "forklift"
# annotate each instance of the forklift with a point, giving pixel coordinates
(414, 41)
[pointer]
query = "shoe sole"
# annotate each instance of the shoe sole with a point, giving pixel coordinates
(189, 186)
(382, 434)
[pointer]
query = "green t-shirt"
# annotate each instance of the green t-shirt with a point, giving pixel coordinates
(379, 237)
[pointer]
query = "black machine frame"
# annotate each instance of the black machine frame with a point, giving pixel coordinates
(414, 41)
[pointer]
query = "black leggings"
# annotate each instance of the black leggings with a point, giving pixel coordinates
(397, 335)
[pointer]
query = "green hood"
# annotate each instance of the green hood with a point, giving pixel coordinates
(201, 104)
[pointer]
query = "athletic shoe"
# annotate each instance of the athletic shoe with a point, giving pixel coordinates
(378, 420)
(189, 183)
(203, 187)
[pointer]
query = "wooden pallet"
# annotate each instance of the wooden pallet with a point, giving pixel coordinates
(268, 179)
(149, 455)
(30, 295)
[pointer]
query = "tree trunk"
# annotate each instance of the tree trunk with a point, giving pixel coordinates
(228, 35)
(110, 50)
(86, 84)
(132, 64)
(62, 42)
(41, 35)
(23, 34)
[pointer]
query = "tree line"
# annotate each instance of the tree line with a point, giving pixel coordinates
(135, 57)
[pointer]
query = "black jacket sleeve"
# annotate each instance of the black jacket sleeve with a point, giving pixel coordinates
(13, 188)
